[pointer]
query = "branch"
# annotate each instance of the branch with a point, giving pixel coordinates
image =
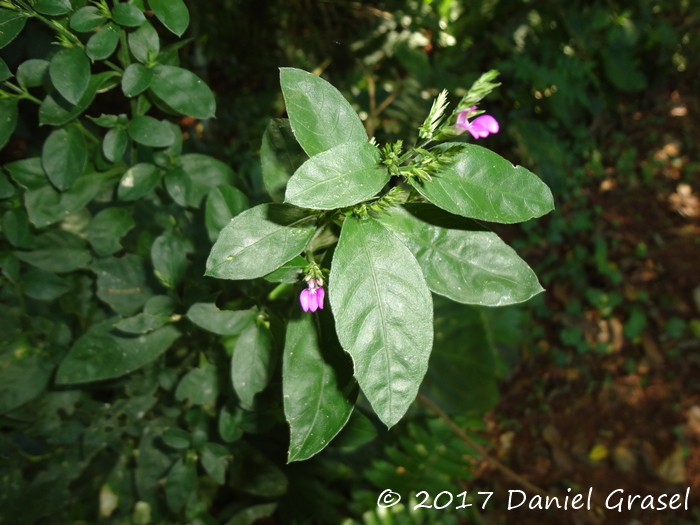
(481, 450)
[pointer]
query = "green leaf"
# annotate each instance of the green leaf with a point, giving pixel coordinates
(57, 111)
(461, 376)
(183, 91)
(150, 132)
(7, 190)
(5, 72)
(33, 72)
(57, 260)
(121, 283)
(172, 13)
(23, 376)
(253, 473)
(169, 259)
(127, 15)
(319, 114)
(108, 121)
(141, 323)
(100, 355)
(179, 185)
(463, 261)
(11, 25)
(230, 427)
(358, 431)
(114, 144)
(136, 79)
(44, 204)
(280, 156)
(138, 181)
(200, 386)
(70, 73)
(15, 226)
(28, 173)
(9, 266)
(383, 313)
(8, 119)
(342, 176)
(159, 305)
(223, 204)
(315, 378)
(144, 43)
(53, 7)
(17, 230)
(180, 484)
(290, 272)
(483, 185)
(43, 286)
(204, 173)
(177, 438)
(252, 363)
(86, 19)
(260, 240)
(222, 322)
(253, 514)
(64, 156)
(107, 227)
(215, 459)
(103, 43)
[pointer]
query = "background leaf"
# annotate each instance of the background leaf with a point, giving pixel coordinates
(138, 181)
(180, 484)
(150, 132)
(136, 79)
(183, 91)
(121, 283)
(383, 314)
(99, 355)
(70, 73)
(252, 363)
(318, 113)
(223, 204)
(462, 375)
(144, 42)
(200, 385)
(107, 227)
(11, 25)
(103, 43)
(280, 156)
(8, 119)
(222, 322)
(127, 15)
(86, 19)
(169, 259)
(316, 375)
(64, 156)
(172, 13)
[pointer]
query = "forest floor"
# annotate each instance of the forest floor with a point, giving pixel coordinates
(610, 398)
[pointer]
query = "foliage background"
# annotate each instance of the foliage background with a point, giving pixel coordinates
(587, 102)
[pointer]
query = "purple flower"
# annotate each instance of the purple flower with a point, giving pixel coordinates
(481, 127)
(312, 297)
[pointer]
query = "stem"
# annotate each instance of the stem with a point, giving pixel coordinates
(113, 66)
(54, 25)
(22, 93)
(86, 132)
(481, 450)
